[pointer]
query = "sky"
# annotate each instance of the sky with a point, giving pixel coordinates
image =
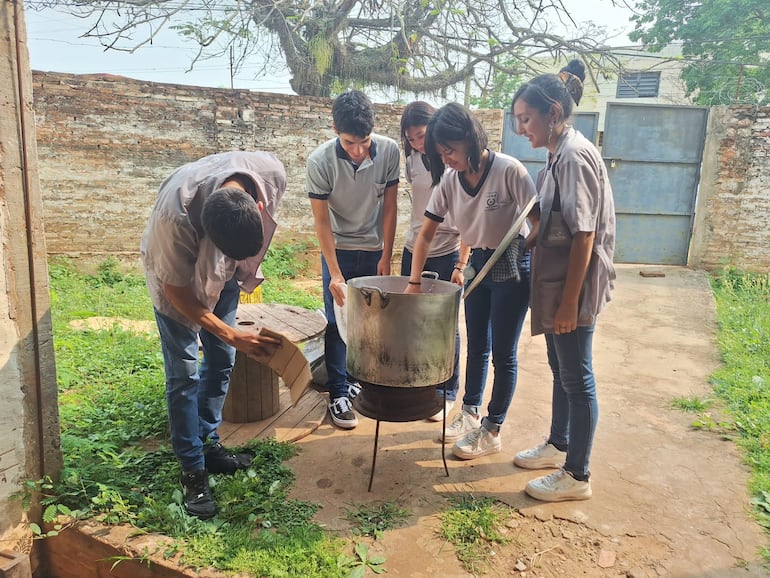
(55, 45)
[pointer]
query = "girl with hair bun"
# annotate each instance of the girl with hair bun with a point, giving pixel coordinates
(571, 276)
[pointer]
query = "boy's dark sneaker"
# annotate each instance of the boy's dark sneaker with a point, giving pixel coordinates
(220, 460)
(198, 500)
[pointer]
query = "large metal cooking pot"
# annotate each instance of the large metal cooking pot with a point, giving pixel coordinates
(401, 340)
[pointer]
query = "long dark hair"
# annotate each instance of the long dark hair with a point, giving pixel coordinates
(454, 123)
(564, 89)
(416, 113)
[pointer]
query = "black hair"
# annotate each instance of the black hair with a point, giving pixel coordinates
(353, 113)
(546, 90)
(232, 221)
(454, 123)
(416, 113)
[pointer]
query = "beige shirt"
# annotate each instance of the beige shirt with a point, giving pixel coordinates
(586, 206)
(174, 248)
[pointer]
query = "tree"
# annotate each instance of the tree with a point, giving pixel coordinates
(724, 45)
(497, 87)
(417, 46)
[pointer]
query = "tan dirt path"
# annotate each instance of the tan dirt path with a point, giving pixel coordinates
(668, 500)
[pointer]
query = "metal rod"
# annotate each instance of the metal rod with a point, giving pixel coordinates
(443, 433)
(374, 454)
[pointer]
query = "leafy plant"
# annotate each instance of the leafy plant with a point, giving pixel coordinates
(691, 403)
(362, 562)
(473, 526)
(743, 315)
(373, 519)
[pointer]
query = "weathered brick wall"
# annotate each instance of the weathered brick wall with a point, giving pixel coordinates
(732, 219)
(105, 143)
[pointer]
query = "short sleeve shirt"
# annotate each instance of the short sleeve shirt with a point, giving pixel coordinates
(484, 215)
(174, 247)
(355, 193)
(447, 237)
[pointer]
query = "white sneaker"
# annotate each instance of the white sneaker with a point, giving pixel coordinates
(559, 487)
(342, 413)
(462, 424)
(545, 455)
(478, 443)
(439, 415)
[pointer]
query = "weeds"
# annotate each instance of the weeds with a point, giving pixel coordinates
(691, 404)
(117, 462)
(743, 313)
(373, 519)
(473, 526)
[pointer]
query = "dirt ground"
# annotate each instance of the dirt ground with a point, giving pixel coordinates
(668, 500)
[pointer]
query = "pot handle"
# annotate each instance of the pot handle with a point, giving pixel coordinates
(429, 275)
(367, 291)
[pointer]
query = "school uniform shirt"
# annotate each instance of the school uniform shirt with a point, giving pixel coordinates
(174, 247)
(484, 215)
(355, 193)
(447, 237)
(587, 206)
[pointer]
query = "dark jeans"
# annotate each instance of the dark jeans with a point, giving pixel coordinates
(574, 410)
(494, 316)
(195, 391)
(352, 264)
(444, 266)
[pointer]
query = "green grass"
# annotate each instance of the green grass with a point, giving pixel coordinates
(373, 519)
(118, 465)
(473, 525)
(743, 380)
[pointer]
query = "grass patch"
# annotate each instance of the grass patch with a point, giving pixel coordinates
(743, 313)
(691, 404)
(118, 465)
(373, 519)
(473, 525)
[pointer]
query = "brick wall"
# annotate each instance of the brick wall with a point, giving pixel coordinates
(732, 217)
(105, 143)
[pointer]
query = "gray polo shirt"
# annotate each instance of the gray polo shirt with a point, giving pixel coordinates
(174, 247)
(354, 193)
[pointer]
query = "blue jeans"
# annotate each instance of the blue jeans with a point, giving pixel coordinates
(195, 391)
(494, 316)
(574, 410)
(352, 264)
(444, 266)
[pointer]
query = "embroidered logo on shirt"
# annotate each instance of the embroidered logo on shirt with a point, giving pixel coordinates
(491, 203)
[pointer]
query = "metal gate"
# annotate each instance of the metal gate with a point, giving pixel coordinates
(653, 155)
(534, 159)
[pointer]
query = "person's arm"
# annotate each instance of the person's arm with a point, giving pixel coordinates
(534, 220)
(389, 216)
(566, 317)
(420, 254)
(250, 343)
(457, 273)
(323, 230)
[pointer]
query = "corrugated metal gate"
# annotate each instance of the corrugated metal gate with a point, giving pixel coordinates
(653, 153)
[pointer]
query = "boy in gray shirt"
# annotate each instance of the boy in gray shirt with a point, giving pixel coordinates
(352, 183)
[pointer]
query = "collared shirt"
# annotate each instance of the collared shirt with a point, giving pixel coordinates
(355, 193)
(174, 247)
(587, 206)
(484, 214)
(447, 237)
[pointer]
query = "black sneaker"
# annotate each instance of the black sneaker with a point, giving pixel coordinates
(220, 460)
(342, 413)
(198, 500)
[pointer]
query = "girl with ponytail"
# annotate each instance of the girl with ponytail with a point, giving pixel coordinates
(571, 278)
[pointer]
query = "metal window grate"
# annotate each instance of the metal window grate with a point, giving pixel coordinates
(638, 85)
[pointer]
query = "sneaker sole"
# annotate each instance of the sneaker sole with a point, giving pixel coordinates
(469, 456)
(344, 424)
(551, 497)
(536, 464)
